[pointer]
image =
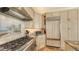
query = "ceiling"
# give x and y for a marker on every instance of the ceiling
(42, 10)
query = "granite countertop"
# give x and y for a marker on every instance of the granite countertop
(73, 44)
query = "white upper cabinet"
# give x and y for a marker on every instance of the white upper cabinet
(72, 24)
(38, 21)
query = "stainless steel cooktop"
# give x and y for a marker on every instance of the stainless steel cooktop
(14, 45)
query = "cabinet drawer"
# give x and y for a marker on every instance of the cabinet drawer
(55, 43)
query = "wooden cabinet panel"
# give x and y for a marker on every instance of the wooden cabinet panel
(49, 29)
(78, 24)
(68, 25)
(53, 28)
(38, 21)
(64, 27)
(56, 29)
(55, 43)
(72, 24)
(40, 41)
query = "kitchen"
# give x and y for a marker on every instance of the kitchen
(39, 29)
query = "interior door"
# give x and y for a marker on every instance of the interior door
(53, 27)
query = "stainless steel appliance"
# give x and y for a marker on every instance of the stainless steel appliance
(21, 44)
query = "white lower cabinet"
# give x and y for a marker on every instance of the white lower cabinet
(40, 42)
(55, 43)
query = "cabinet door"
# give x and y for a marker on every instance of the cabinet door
(78, 23)
(72, 24)
(38, 21)
(40, 41)
(53, 28)
(49, 29)
(64, 27)
(56, 29)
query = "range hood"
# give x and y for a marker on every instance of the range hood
(14, 12)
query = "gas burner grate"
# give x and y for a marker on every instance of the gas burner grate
(14, 45)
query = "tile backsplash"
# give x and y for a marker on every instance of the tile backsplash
(9, 24)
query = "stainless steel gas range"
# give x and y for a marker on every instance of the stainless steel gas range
(21, 44)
